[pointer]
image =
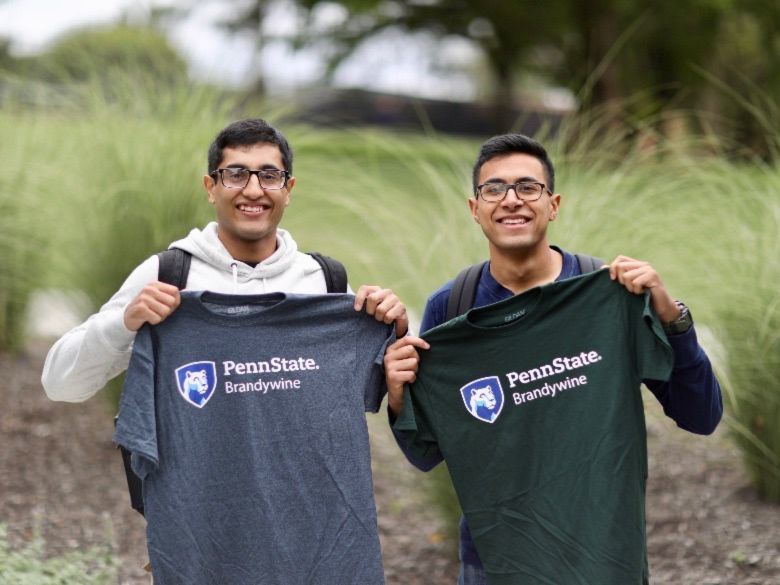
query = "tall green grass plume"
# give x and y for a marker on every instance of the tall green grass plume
(748, 326)
(130, 165)
(27, 164)
(135, 180)
(392, 206)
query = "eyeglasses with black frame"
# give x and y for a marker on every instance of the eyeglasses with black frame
(238, 178)
(525, 190)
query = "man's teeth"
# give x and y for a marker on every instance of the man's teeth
(251, 208)
(514, 220)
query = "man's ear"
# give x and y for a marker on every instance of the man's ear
(209, 184)
(555, 205)
(289, 186)
(473, 203)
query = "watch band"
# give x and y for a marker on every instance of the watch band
(682, 324)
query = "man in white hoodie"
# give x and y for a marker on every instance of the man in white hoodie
(249, 182)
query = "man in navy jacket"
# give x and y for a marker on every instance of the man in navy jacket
(513, 202)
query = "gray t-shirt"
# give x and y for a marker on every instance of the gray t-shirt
(245, 417)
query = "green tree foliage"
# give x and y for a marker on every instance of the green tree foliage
(6, 59)
(501, 29)
(633, 60)
(93, 52)
(650, 47)
(700, 56)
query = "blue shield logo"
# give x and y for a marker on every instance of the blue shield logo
(196, 382)
(484, 398)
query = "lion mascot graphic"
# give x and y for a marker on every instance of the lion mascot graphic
(196, 385)
(482, 402)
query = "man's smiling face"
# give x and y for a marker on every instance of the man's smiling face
(247, 218)
(513, 225)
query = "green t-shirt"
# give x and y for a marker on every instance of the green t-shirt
(535, 404)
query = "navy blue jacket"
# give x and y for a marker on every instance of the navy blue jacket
(691, 397)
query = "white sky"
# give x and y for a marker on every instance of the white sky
(392, 63)
(31, 23)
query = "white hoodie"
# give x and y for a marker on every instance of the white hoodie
(85, 358)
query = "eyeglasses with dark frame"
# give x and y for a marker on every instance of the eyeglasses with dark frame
(525, 190)
(238, 178)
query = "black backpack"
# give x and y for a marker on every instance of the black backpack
(464, 287)
(174, 269)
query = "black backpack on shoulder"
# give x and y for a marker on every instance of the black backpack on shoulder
(464, 287)
(174, 269)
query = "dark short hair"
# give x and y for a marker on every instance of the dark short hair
(246, 133)
(505, 144)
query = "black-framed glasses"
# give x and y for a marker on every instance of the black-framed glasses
(238, 178)
(525, 190)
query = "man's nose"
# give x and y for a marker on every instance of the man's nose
(515, 199)
(253, 186)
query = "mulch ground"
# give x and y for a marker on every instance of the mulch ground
(61, 477)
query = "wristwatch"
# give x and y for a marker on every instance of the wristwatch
(680, 325)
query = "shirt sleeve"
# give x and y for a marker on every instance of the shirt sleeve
(692, 396)
(83, 360)
(653, 355)
(136, 428)
(413, 429)
(429, 457)
(435, 309)
(371, 342)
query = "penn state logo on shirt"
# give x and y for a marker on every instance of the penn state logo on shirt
(196, 382)
(484, 398)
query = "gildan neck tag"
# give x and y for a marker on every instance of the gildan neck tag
(506, 314)
(237, 308)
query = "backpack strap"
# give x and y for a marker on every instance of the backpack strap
(464, 290)
(134, 483)
(588, 263)
(174, 267)
(334, 272)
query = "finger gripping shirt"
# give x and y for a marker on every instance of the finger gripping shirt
(245, 416)
(535, 404)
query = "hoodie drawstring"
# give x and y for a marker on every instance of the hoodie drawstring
(234, 266)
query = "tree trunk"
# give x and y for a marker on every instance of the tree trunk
(504, 116)
(600, 30)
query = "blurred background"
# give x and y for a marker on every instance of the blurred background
(662, 118)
